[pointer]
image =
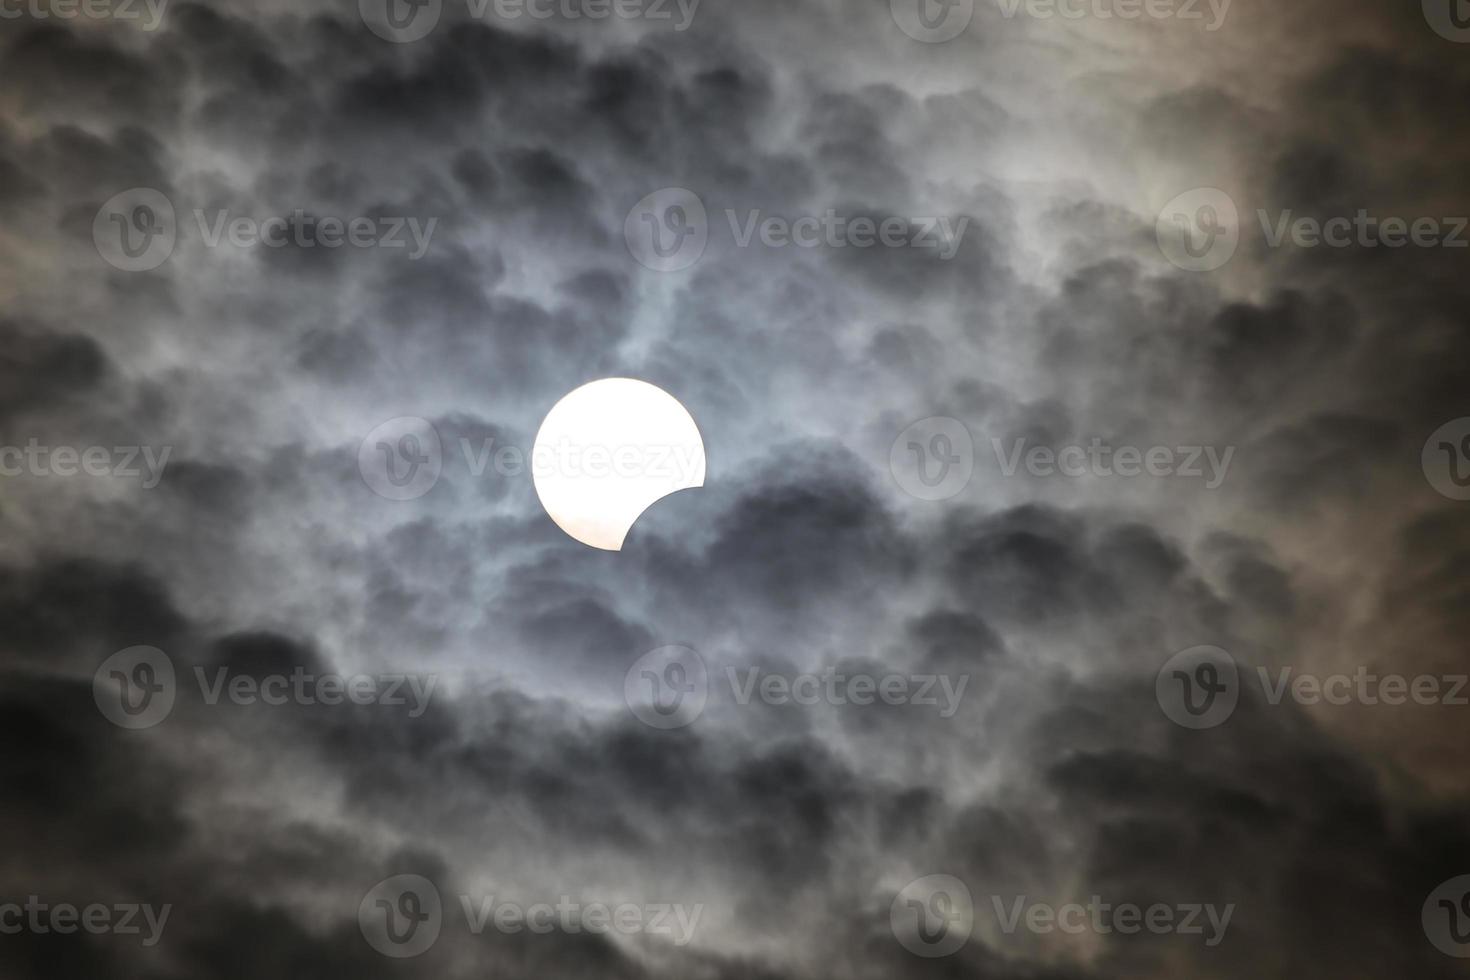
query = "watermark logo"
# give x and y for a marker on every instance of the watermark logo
(312, 231)
(1102, 460)
(118, 461)
(1446, 459)
(932, 21)
(1199, 230)
(401, 916)
(1450, 19)
(135, 688)
(940, 691)
(932, 916)
(1364, 688)
(667, 230)
(1446, 917)
(122, 919)
(400, 21)
(1362, 230)
(151, 11)
(1183, 10)
(933, 459)
(135, 230)
(598, 918)
(1198, 688)
(832, 230)
(1103, 918)
(401, 459)
(667, 688)
(412, 691)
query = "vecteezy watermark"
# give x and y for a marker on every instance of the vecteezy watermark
(304, 688)
(403, 458)
(1102, 460)
(1363, 687)
(669, 230)
(149, 11)
(1200, 688)
(301, 230)
(137, 230)
(1362, 230)
(402, 21)
(1126, 918)
(932, 21)
(932, 916)
(1446, 917)
(937, 21)
(1184, 10)
(1446, 459)
(933, 459)
(137, 687)
(669, 687)
(1450, 19)
(1199, 231)
(119, 461)
(63, 918)
(403, 916)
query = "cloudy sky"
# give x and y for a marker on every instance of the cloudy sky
(1087, 378)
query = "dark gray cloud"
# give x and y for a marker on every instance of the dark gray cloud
(261, 552)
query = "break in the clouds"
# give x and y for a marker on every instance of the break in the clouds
(1072, 457)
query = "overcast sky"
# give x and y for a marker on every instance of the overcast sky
(1156, 412)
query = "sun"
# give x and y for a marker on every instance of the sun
(607, 452)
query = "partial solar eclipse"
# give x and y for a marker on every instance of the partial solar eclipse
(607, 452)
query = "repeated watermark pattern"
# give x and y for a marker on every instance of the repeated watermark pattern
(1450, 19)
(1446, 917)
(403, 459)
(1446, 459)
(301, 230)
(670, 686)
(63, 918)
(933, 916)
(403, 916)
(1203, 919)
(937, 21)
(1200, 230)
(1200, 687)
(669, 230)
(38, 459)
(137, 230)
(933, 459)
(137, 687)
(404, 21)
(148, 13)
(1211, 13)
(1098, 459)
